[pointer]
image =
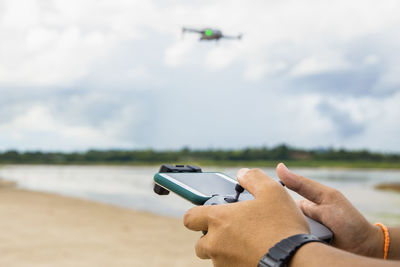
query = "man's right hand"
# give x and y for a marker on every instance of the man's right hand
(352, 232)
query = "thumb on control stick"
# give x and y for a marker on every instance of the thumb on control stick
(253, 180)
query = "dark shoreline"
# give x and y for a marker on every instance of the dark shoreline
(253, 164)
(249, 157)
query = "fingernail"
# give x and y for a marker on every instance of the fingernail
(283, 164)
(284, 167)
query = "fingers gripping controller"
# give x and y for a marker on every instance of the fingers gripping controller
(317, 229)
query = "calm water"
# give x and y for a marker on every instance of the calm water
(132, 186)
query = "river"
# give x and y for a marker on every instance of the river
(131, 186)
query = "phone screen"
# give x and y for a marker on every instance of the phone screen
(207, 183)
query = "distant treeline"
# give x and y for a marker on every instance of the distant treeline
(185, 155)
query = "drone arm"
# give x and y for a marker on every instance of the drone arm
(191, 30)
(232, 37)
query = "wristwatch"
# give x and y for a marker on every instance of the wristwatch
(280, 254)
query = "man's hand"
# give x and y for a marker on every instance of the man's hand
(352, 232)
(239, 234)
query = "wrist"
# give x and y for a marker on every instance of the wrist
(305, 255)
(375, 242)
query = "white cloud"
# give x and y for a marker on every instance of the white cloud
(371, 59)
(37, 128)
(256, 71)
(380, 117)
(219, 58)
(57, 42)
(132, 52)
(51, 57)
(176, 54)
(313, 65)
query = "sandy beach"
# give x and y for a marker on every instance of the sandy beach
(42, 229)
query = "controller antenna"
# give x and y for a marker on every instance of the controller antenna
(239, 189)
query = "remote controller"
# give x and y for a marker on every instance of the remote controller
(316, 228)
(162, 186)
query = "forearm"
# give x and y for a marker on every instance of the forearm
(394, 247)
(317, 254)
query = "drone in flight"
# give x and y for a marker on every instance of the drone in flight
(209, 34)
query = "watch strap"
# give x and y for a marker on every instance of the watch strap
(280, 254)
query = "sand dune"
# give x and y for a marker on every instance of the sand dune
(42, 229)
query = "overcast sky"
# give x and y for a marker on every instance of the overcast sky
(87, 74)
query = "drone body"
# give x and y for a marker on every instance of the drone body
(209, 34)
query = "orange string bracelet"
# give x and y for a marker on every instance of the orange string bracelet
(387, 239)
